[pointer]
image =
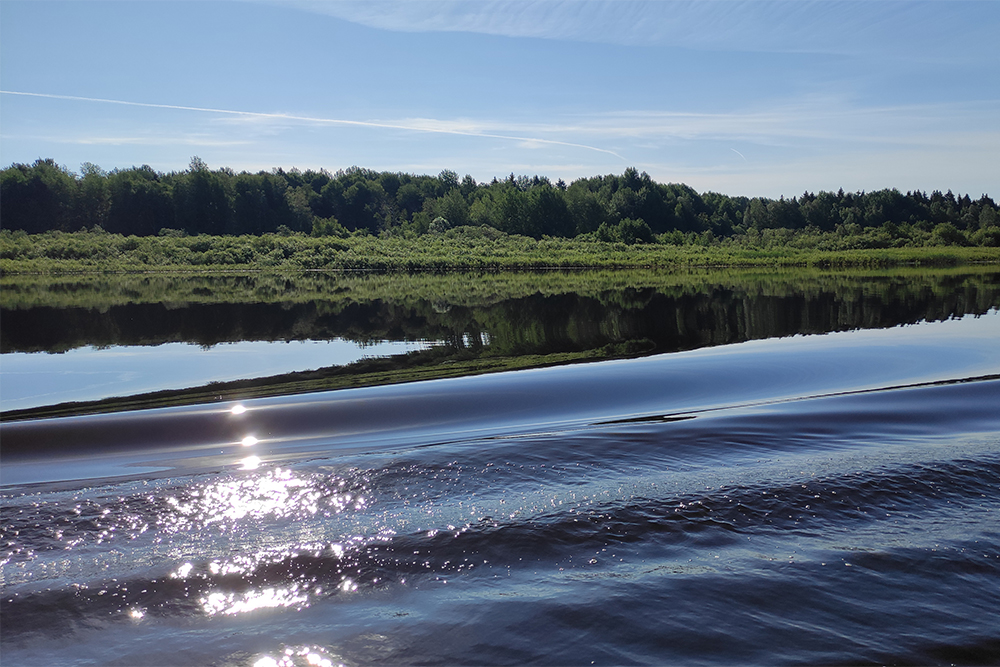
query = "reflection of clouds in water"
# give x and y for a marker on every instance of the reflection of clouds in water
(94, 373)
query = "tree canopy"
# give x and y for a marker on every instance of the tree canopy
(630, 207)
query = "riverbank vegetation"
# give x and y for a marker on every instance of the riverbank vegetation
(433, 296)
(463, 248)
(131, 219)
(471, 323)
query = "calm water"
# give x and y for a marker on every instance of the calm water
(830, 498)
(32, 379)
(79, 338)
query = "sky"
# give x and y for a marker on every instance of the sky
(743, 97)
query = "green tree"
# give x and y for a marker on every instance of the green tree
(448, 179)
(483, 211)
(546, 213)
(93, 200)
(988, 217)
(298, 205)
(328, 227)
(203, 200)
(585, 208)
(510, 210)
(453, 207)
(946, 233)
(628, 231)
(757, 216)
(141, 202)
(38, 198)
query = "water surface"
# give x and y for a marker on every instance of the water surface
(92, 373)
(767, 469)
(821, 499)
(85, 338)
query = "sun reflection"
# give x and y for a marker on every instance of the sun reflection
(250, 463)
(238, 409)
(265, 493)
(249, 441)
(183, 571)
(303, 656)
(267, 598)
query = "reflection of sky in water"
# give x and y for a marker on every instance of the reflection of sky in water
(33, 379)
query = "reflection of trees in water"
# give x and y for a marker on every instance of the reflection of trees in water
(505, 314)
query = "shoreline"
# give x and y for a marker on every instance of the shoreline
(90, 252)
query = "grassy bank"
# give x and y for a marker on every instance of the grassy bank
(471, 289)
(468, 248)
(484, 322)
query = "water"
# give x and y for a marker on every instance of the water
(91, 373)
(809, 499)
(80, 338)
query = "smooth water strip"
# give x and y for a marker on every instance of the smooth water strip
(379, 418)
(33, 379)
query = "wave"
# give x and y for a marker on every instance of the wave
(799, 515)
(613, 487)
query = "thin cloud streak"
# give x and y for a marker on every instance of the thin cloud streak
(826, 120)
(412, 127)
(811, 144)
(921, 30)
(134, 141)
(818, 119)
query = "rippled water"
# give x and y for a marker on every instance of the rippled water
(814, 499)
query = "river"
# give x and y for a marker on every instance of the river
(821, 498)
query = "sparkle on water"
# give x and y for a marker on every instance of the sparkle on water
(300, 656)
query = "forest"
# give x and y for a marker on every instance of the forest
(628, 208)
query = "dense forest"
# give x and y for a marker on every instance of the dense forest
(629, 208)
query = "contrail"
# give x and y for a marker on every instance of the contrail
(309, 119)
(738, 153)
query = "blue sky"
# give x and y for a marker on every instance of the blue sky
(741, 97)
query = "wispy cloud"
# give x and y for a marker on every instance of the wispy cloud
(818, 123)
(782, 148)
(422, 125)
(823, 119)
(819, 119)
(146, 140)
(918, 29)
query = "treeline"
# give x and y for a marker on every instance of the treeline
(629, 208)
